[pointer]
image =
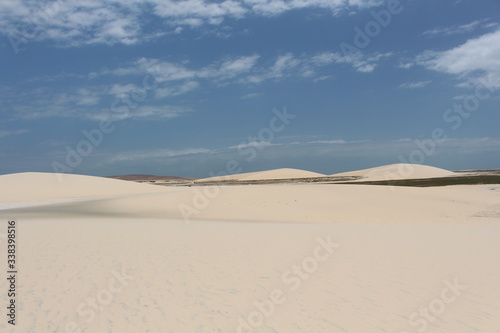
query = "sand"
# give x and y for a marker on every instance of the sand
(284, 173)
(101, 255)
(38, 186)
(399, 171)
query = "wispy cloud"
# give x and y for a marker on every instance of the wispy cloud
(329, 141)
(333, 148)
(156, 154)
(251, 95)
(459, 29)
(5, 133)
(249, 69)
(171, 79)
(414, 85)
(77, 23)
(253, 144)
(92, 103)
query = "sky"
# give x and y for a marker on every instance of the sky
(197, 88)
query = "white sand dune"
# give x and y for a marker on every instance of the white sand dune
(39, 186)
(399, 171)
(99, 255)
(322, 203)
(284, 173)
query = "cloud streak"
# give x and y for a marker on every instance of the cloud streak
(459, 29)
(332, 148)
(5, 133)
(77, 23)
(414, 85)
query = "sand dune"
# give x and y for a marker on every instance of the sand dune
(284, 173)
(101, 255)
(320, 203)
(399, 171)
(35, 186)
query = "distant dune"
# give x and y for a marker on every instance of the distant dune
(284, 173)
(399, 171)
(385, 172)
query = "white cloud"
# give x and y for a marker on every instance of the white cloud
(323, 78)
(414, 85)
(458, 29)
(166, 79)
(252, 144)
(76, 23)
(276, 7)
(176, 90)
(5, 133)
(360, 62)
(91, 103)
(477, 58)
(155, 154)
(329, 141)
(335, 148)
(245, 69)
(142, 112)
(251, 95)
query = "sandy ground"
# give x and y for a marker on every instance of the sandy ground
(100, 256)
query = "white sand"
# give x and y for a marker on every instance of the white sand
(284, 173)
(34, 186)
(399, 171)
(398, 247)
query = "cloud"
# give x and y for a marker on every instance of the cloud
(251, 95)
(91, 103)
(88, 22)
(5, 133)
(142, 112)
(333, 150)
(246, 69)
(162, 80)
(478, 58)
(329, 141)
(276, 7)
(252, 144)
(155, 154)
(176, 90)
(414, 85)
(458, 29)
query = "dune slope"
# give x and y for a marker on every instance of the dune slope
(399, 171)
(284, 173)
(36, 186)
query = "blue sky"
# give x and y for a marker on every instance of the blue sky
(197, 87)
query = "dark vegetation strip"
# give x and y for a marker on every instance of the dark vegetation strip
(428, 182)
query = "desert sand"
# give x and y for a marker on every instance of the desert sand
(398, 171)
(101, 255)
(284, 173)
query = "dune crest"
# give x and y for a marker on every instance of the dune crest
(284, 173)
(51, 186)
(398, 171)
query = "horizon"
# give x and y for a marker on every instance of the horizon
(192, 89)
(258, 171)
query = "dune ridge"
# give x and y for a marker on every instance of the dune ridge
(398, 171)
(34, 186)
(283, 173)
